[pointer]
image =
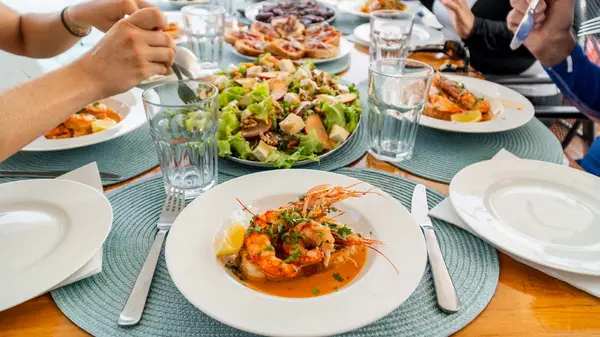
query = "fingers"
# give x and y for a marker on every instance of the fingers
(143, 4)
(154, 68)
(129, 7)
(148, 19)
(514, 19)
(522, 5)
(451, 5)
(161, 55)
(159, 39)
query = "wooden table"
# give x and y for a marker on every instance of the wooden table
(526, 302)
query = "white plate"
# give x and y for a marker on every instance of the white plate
(48, 230)
(377, 290)
(181, 3)
(251, 11)
(129, 105)
(544, 213)
(421, 35)
(344, 49)
(511, 108)
(354, 7)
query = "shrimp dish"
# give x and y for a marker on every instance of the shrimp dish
(449, 100)
(300, 249)
(93, 118)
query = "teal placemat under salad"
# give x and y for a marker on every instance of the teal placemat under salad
(127, 156)
(94, 303)
(440, 155)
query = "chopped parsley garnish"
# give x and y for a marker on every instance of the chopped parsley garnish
(295, 254)
(343, 232)
(235, 269)
(269, 248)
(338, 277)
(315, 290)
(320, 234)
(271, 233)
(291, 216)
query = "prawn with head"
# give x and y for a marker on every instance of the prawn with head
(280, 242)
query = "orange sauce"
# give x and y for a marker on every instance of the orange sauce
(317, 284)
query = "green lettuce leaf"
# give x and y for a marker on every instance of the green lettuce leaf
(224, 148)
(334, 114)
(309, 65)
(228, 121)
(261, 110)
(231, 94)
(240, 145)
(284, 160)
(353, 113)
(260, 92)
(310, 143)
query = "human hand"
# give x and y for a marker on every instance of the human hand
(551, 40)
(103, 14)
(461, 16)
(131, 51)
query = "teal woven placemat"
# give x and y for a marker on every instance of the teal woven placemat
(94, 304)
(440, 155)
(351, 152)
(127, 156)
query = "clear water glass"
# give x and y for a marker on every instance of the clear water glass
(398, 90)
(390, 34)
(204, 27)
(229, 6)
(185, 135)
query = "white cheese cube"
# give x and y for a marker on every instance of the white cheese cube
(292, 98)
(287, 66)
(253, 71)
(292, 124)
(301, 73)
(326, 99)
(338, 134)
(262, 151)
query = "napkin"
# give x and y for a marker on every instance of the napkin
(445, 211)
(88, 175)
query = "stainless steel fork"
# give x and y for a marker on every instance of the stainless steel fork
(132, 312)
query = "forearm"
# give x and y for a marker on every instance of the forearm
(494, 34)
(579, 81)
(43, 36)
(33, 108)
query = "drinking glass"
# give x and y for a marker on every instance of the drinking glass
(390, 34)
(398, 90)
(228, 5)
(185, 135)
(204, 26)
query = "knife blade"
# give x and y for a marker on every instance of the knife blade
(525, 27)
(444, 288)
(51, 174)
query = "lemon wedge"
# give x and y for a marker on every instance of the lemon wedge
(232, 240)
(102, 124)
(471, 116)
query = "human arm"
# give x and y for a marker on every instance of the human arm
(552, 42)
(130, 52)
(44, 35)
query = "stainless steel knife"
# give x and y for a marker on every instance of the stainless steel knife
(444, 288)
(525, 27)
(50, 174)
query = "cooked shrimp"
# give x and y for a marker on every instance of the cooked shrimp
(262, 253)
(311, 235)
(443, 104)
(59, 132)
(80, 123)
(319, 200)
(460, 94)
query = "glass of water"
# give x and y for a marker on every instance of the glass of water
(390, 34)
(185, 135)
(398, 90)
(229, 6)
(204, 26)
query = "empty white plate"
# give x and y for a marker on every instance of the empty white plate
(375, 292)
(48, 230)
(421, 35)
(544, 213)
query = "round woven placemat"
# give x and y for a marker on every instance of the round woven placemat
(351, 152)
(94, 304)
(127, 156)
(440, 155)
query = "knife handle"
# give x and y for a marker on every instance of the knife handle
(444, 288)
